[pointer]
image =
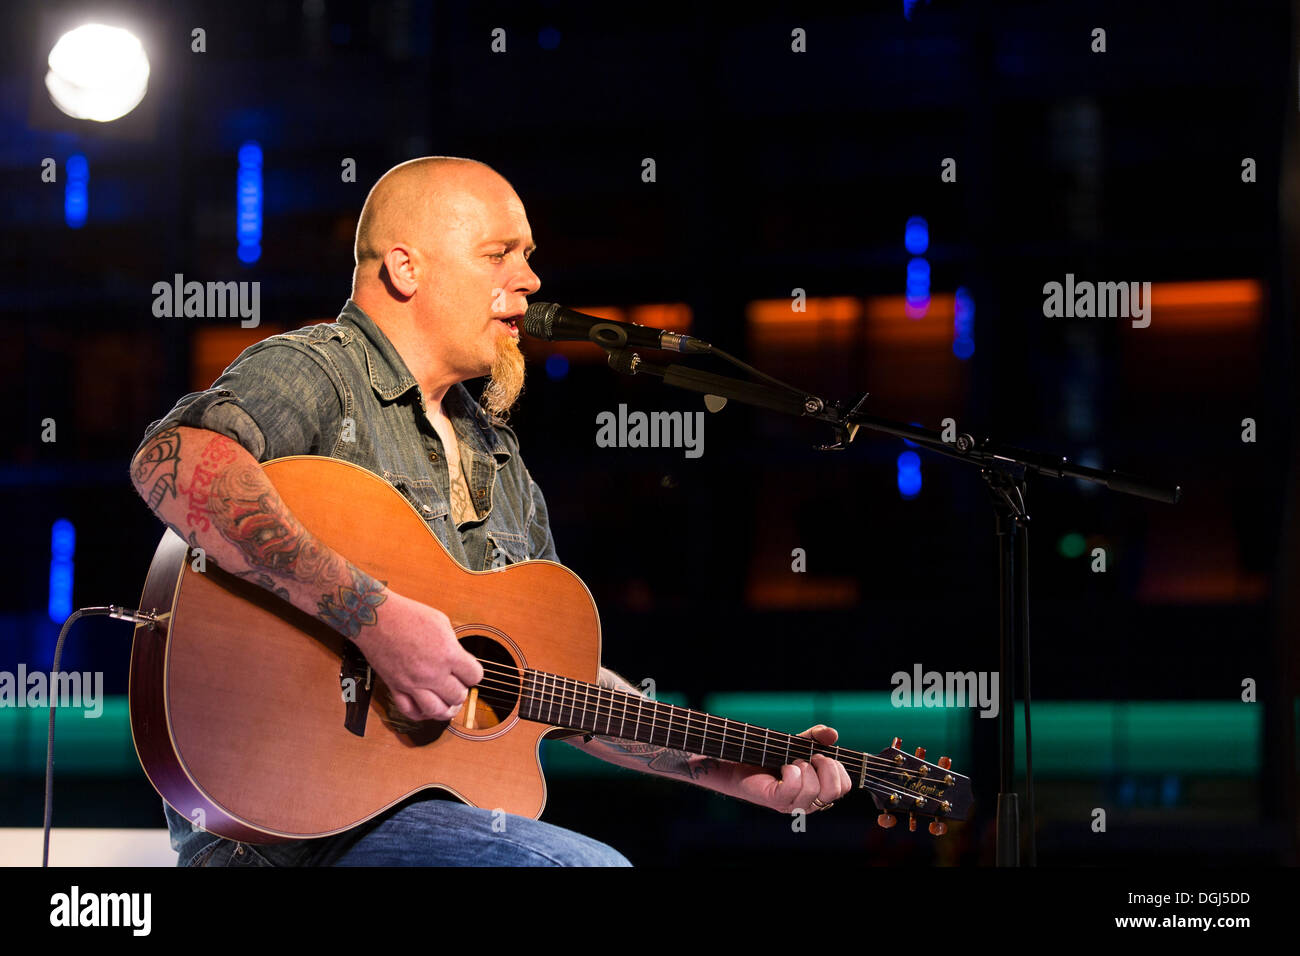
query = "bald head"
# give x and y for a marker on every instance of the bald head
(418, 203)
(442, 269)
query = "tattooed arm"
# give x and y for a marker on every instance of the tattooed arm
(213, 493)
(793, 789)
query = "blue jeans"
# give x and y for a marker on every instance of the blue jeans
(432, 832)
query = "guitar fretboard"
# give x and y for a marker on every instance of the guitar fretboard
(552, 699)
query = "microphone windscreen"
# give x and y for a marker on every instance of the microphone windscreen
(539, 320)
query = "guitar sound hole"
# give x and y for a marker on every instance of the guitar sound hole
(496, 696)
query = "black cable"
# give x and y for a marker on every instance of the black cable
(122, 614)
(728, 357)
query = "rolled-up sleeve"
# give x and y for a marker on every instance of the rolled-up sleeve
(276, 399)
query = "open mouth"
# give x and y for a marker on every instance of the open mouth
(511, 321)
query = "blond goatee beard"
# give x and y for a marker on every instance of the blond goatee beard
(507, 381)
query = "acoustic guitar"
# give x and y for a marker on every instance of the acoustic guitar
(262, 724)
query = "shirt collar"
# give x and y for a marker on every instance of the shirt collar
(390, 377)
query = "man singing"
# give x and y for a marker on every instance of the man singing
(441, 280)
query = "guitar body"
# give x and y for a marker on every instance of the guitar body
(237, 706)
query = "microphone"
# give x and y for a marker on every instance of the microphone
(554, 323)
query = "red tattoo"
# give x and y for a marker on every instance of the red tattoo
(220, 451)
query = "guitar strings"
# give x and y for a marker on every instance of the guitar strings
(510, 691)
(621, 708)
(867, 781)
(512, 688)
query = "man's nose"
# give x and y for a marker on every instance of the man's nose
(528, 283)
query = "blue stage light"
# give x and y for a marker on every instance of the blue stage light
(63, 540)
(76, 191)
(916, 239)
(557, 366)
(916, 236)
(918, 282)
(63, 543)
(963, 324)
(918, 274)
(548, 38)
(909, 474)
(248, 199)
(918, 288)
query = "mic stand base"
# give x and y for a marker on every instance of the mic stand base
(1009, 829)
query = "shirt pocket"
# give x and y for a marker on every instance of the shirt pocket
(421, 493)
(504, 548)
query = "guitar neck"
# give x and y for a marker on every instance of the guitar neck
(577, 705)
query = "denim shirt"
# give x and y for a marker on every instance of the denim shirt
(343, 391)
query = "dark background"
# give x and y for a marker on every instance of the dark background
(775, 170)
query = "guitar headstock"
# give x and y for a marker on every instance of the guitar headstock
(909, 783)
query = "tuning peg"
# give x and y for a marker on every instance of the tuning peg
(945, 763)
(886, 820)
(897, 742)
(911, 822)
(920, 752)
(938, 828)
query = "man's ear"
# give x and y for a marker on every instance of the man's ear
(403, 277)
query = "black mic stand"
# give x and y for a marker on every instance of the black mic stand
(1003, 468)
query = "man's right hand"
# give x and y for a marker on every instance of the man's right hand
(414, 649)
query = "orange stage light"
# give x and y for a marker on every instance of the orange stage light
(824, 321)
(1211, 306)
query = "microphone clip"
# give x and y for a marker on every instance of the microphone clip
(844, 433)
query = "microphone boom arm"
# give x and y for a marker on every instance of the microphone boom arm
(984, 453)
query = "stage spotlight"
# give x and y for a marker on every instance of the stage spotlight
(97, 73)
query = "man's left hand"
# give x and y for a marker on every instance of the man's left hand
(801, 786)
